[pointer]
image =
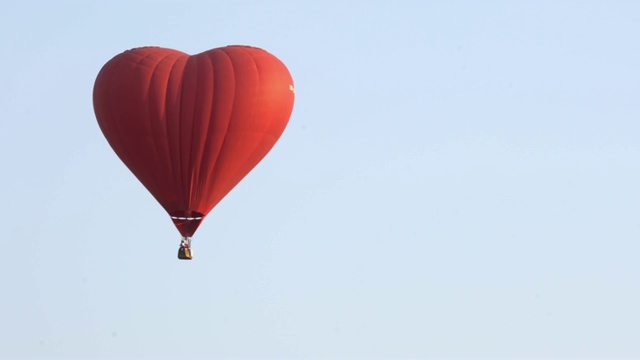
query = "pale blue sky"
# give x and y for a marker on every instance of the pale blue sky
(458, 178)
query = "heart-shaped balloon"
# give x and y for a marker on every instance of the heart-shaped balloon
(191, 127)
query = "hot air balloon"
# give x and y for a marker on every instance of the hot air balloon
(191, 127)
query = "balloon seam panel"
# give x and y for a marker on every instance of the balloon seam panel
(172, 166)
(226, 133)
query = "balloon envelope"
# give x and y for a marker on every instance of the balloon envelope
(191, 127)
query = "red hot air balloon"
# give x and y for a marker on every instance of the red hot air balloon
(190, 128)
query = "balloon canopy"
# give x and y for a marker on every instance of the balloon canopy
(190, 128)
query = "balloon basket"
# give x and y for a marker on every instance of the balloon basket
(185, 254)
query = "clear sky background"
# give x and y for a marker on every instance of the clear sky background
(458, 178)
